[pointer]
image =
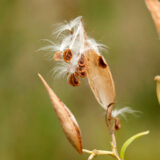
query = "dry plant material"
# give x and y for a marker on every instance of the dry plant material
(74, 80)
(117, 125)
(154, 8)
(67, 55)
(81, 58)
(57, 56)
(82, 61)
(100, 79)
(157, 78)
(83, 74)
(66, 118)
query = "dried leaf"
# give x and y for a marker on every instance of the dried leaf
(157, 78)
(66, 118)
(154, 8)
(100, 79)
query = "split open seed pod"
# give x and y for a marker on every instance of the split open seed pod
(66, 118)
(100, 79)
(154, 8)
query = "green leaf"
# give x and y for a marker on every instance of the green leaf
(129, 141)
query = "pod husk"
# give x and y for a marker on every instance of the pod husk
(100, 79)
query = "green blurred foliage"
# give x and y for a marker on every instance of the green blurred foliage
(29, 129)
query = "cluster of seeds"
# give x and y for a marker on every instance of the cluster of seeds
(80, 70)
(71, 51)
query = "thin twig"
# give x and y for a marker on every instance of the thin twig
(95, 153)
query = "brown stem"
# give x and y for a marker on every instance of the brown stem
(108, 118)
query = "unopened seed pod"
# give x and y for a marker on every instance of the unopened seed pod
(66, 118)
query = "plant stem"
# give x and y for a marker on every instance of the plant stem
(108, 118)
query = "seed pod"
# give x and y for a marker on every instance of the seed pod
(66, 118)
(82, 61)
(100, 79)
(154, 8)
(57, 56)
(67, 55)
(157, 78)
(74, 79)
(117, 125)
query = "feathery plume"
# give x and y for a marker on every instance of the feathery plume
(123, 111)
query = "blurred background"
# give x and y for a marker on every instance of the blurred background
(29, 128)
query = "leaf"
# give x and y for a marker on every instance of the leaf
(66, 118)
(100, 79)
(154, 8)
(157, 78)
(129, 141)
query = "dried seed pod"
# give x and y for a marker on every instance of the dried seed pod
(100, 79)
(154, 8)
(82, 61)
(117, 123)
(67, 55)
(157, 78)
(66, 118)
(74, 79)
(57, 56)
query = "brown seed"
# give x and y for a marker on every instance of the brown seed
(101, 62)
(74, 79)
(57, 56)
(67, 55)
(117, 124)
(80, 69)
(83, 74)
(82, 61)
